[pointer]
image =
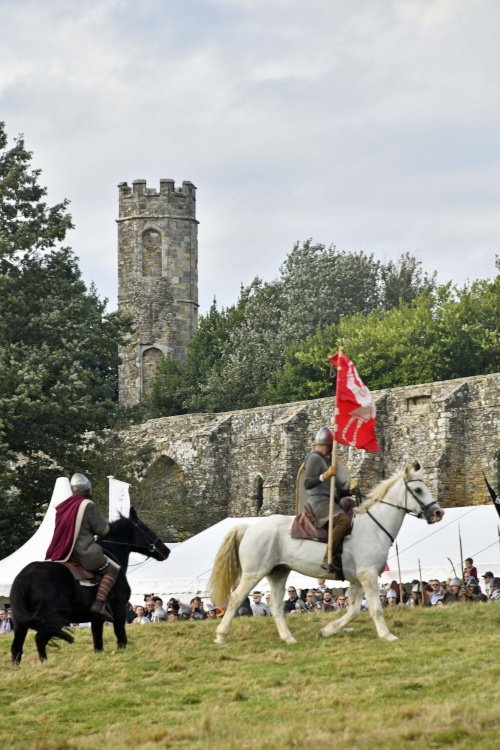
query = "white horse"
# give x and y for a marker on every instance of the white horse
(249, 553)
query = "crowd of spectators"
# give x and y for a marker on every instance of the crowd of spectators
(320, 598)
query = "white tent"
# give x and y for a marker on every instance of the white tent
(437, 547)
(187, 570)
(35, 548)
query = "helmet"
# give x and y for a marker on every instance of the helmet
(456, 582)
(383, 593)
(80, 483)
(391, 594)
(324, 436)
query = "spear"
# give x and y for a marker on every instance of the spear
(399, 574)
(451, 563)
(461, 555)
(334, 467)
(421, 584)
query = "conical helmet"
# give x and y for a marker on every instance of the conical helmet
(80, 483)
(324, 436)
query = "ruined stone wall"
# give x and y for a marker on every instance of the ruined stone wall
(157, 278)
(245, 462)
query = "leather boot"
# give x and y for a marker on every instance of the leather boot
(100, 608)
(341, 527)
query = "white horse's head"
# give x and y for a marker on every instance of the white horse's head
(407, 491)
(418, 499)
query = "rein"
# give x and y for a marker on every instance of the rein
(149, 547)
(400, 507)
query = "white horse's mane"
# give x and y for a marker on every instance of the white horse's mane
(379, 491)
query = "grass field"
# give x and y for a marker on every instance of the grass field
(173, 688)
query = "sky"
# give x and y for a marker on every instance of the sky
(370, 125)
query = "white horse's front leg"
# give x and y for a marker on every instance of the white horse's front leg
(355, 596)
(369, 581)
(245, 585)
(277, 579)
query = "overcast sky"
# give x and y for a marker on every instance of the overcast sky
(369, 124)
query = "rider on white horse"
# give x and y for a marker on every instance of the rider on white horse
(317, 478)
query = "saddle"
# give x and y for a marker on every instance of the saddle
(81, 575)
(304, 527)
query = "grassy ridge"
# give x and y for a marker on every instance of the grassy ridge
(173, 688)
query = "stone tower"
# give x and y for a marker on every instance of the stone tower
(157, 278)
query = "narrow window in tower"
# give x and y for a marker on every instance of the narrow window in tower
(151, 253)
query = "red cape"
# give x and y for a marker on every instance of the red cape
(64, 532)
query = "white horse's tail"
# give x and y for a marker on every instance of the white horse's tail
(227, 567)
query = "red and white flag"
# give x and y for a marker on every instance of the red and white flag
(355, 418)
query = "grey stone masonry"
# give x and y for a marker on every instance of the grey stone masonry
(157, 278)
(245, 462)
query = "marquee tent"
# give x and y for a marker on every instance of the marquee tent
(35, 548)
(187, 570)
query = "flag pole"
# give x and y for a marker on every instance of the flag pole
(399, 574)
(334, 465)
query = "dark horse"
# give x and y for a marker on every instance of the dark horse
(45, 597)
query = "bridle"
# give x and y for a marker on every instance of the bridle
(147, 549)
(423, 506)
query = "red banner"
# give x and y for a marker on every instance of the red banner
(355, 419)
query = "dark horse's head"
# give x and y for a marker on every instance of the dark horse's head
(137, 536)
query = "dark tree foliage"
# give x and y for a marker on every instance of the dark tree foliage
(58, 349)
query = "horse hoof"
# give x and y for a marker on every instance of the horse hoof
(391, 638)
(291, 640)
(220, 640)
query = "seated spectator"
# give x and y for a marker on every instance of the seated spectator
(382, 595)
(454, 594)
(341, 602)
(140, 616)
(149, 608)
(197, 610)
(416, 596)
(310, 601)
(472, 590)
(172, 610)
(392, 598)
(495, 590)
(130, 616)
(488, 577)
(245, 609)
(328, 602)
(259, 608)
(6, 625)
(437, 592)
(293, 603)
(159, 614)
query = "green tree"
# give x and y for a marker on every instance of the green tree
(239, 357)
(440, 335)
(58, 348)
